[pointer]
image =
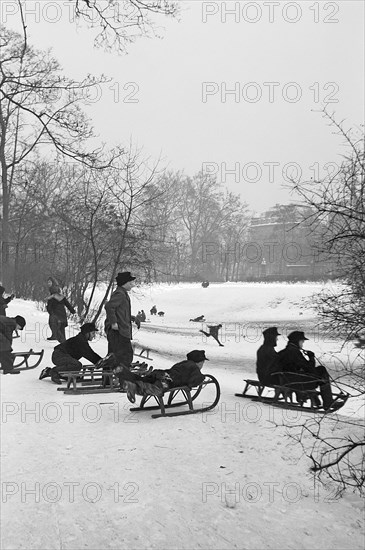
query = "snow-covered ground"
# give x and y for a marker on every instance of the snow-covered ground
(84, 472)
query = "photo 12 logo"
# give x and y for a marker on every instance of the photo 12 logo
(268, 171)
(270, 12)
(269, 92)
(68, 491)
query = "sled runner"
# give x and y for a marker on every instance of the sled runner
(24, 356)
(283, 397)
(188, 396)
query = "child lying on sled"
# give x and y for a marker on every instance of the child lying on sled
(185, 373)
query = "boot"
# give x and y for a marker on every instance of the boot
(45, 373)
(131, 389)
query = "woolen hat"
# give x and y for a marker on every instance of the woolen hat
(197, 355)
(124, 277)
(272, 331)
(89, 327)
(296, 336)
(20, 321)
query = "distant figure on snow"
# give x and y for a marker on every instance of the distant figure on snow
(143, 316)
(198, 319)
(213, 331)
(161, 313)
(205, 284)
(153, 310)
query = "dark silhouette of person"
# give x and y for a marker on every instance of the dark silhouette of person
(213, 331)
(267, 363)
(118, 322)
(4, 301)
(300, 371)
(153, 310)
(7, 326)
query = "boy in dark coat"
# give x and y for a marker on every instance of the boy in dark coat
(4, 301)
(213, 331)
(66, 355)
(185, 373)
(267, 362)
(300, 371)
(7, 326)
(118, 322)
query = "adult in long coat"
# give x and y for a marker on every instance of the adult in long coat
(300, 370)
(7, 326)
(267, 362)
(118, 322)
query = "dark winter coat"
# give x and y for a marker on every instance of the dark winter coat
(185, 373)
(78, 347)
(118, 310)
(292, 360)
(7, 327)
(58, 308)
(267, 362)
(4, 304)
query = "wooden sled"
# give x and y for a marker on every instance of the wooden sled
(94, 381)
(189, 395)
(283, 397)
(24, 356)
(91, 379)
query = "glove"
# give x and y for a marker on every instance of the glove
(310, 354)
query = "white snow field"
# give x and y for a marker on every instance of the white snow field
(83, 472)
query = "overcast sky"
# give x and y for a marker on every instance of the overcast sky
(171, 95)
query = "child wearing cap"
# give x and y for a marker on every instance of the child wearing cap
(185, 373)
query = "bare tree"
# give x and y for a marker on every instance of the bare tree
(122, 22)
(338, 204)
(39, 108)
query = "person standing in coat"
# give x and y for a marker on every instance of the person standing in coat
(267, 362)
(7, 326)
(4, 301)
(118, 322)
(56, 307)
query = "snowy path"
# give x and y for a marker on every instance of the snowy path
(82, 472)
